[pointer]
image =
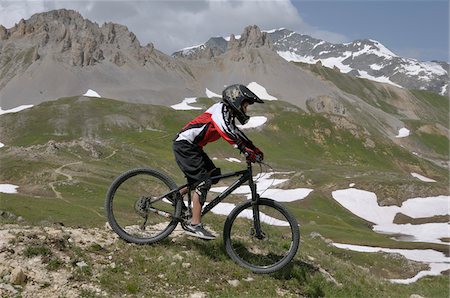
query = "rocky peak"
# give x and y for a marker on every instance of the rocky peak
(252, 37)
(75, 40)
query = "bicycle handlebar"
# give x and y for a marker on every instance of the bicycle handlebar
(258, 158)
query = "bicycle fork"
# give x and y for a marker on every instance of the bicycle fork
(257, 232)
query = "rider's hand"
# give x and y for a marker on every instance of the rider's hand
(259, 155)
(249, 154)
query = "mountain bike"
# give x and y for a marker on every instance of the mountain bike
(144, 206)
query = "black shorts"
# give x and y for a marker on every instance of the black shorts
(193, 161)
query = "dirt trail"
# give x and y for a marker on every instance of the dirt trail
(69, 177)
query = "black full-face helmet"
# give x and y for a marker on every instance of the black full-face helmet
(234, 96)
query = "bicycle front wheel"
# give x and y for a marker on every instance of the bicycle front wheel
(130, 213)
(273, 248)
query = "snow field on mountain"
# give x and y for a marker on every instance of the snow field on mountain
(184, 105)
(232, 159)
(382, 79)
(260, 91)
(91, 93)
(444, 89)
(437, 261)
(415, 67)
(422, 178)
(402, 133)
(8, 188)
(253, 122)
(364, 204)
(15, 110)
(211, 94)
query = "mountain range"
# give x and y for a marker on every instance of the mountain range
(365, 58)
(59, 53)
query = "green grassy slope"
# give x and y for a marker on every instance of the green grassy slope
(64, 154)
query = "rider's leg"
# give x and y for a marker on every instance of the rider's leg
(184, 191)
(198, 199)
(196, 209)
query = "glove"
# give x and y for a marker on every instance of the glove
(253, 155)
(259, 155)
(249, 154)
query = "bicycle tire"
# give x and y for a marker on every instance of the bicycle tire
(125, 194)
(243, 248)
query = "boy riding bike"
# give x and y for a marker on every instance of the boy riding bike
(218, 121)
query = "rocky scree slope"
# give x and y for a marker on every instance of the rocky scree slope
(60, 53)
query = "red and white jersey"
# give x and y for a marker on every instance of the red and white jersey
(216, 122)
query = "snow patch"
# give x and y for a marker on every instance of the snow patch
(414, 68)
(211, 94)
(232, 159)
(265, 184)
(382, 50)
(226, 208)
(403, 133)
(364, 204)
(274, 30)
(287, 195)
(293, 57)
(422, 178)
(91, 93)
(260, 91)
(377, 49)
(8, 188)
(190, 50)
(15, 110)
(444, 89)
(254, 122)
(437, 261)
(376, 66)
(382, 79)
(184, 105)
(2, 145)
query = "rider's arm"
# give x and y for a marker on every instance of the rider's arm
(228, 130)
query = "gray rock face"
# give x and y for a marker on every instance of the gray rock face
(77, 41)
(252, 37)
(60, 53)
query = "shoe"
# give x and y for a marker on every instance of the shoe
(198, 231)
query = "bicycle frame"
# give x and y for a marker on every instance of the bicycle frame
(245, 175)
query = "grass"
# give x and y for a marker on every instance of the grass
(110, 137)
(437, 106)
(378, 97)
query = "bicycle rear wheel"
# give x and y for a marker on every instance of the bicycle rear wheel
(131, 215)
(278, 244)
